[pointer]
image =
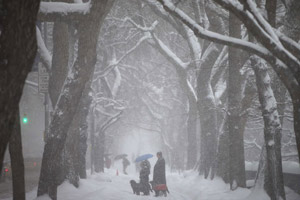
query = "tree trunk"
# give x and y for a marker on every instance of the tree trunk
(237, 176)
(17, 161)
(208, 123)
(274, 181)
(291, 30)
(92, 139)
(223, 148)
(76, 145)
(60, 59)
(17, 53)
(296, 111)
(71, 94)
(191, 134)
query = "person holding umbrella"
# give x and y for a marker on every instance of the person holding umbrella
(144, 177)
(125, 161)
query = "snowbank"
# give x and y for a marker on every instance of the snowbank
(184, 186)
(290, 167)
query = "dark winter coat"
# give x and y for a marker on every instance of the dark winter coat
(159, 172)
(144, 173)
(125, 162)
(144, 178)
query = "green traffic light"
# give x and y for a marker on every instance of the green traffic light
(25, 120)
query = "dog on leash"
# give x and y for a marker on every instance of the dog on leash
(137, 188)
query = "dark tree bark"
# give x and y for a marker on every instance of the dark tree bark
(223, 148)
(79, 74)
(291, 29)
(208, 122)
(76, 144)
(17, 161)
(192, 137)
(17, 53)
(237, 175)
(60, 60)
(272, 132)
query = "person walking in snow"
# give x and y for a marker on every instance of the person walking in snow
(159, 172)
(125, 163)
(144, 177)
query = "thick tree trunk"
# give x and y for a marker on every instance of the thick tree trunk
(191, 134)
(76, 145)
(274, 181)
(296, 111)
(237, 174)
(83, 134)
(17, 53)
(71, 94)
(17, 161)
(92, 139)
(99, 149)
(209, 130)
(206, 101)
(291, 29)
(60, 59)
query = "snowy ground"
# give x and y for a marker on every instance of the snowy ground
(186, 186)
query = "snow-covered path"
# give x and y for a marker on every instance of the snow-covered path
(186, 186)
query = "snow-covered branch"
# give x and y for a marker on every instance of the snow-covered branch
(113, 63)
(117, 82)
(59, 11)
(154, 114)
(264, 33)
(110, 121)
(43, 51)
(252, 143)
(280, 67)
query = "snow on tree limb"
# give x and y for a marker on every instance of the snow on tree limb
(115, 62)
(43, 51)
(110, 121)
(269, 42)
(117, 82)
(57, 11)
(284, 74)
(154, 114)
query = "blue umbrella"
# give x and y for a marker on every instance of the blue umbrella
(143, 157)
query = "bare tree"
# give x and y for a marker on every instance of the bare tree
(78, 76)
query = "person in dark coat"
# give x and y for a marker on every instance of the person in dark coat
(144, 177)
(125, 163)
(159, 172)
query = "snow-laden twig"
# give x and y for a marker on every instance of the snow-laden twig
(113, 63)
(253, 143)
(110, 121)
(145, 29)
(154, 114)
(43, 51)
(117, 82)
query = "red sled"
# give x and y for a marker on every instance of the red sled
(161, 187)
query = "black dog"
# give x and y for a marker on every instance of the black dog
(137, 188)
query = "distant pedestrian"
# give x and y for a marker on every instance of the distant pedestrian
(125, 163)
(107, 162)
